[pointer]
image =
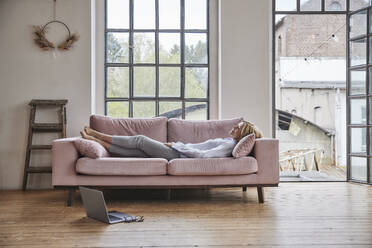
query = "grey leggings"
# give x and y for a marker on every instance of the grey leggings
(141, 146)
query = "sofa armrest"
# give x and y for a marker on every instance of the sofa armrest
(64, 157)
(266, 152)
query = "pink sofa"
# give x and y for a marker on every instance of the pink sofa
(259, 169)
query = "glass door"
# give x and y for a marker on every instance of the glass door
(359, 96)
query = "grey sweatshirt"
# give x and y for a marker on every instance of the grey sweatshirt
(213, 148)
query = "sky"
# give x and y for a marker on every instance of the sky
(291, 4)
(169, 18)
(287, 4)
(169, 14)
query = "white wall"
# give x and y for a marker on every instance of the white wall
(245, 72)
(26, 72)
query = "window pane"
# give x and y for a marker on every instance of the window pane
(144, 14)
(195, 14)
(279, 18)
(335, 5)
(310, 5)
(169, 81)
(169, 48)
(358, 4)
(285, 5)
(117, 47)
(117, 82)
(370, 142)
(357, 82)
(196, 48)
(118, 14)
(370, 51)
(370, 21)
(358, 140)
(358, 111)
(370, 170)
(118, 109)
(358, 24)
(170, 109)
(358, 52)
(370, 81)
(196, 82)
(142, 109)
(144, 48)
(196, 111)
(358, 168)
(169, 14)
(144, 81)
(370, 112)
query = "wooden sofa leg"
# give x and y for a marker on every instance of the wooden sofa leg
(244, 188)
(71, 192)
(169, 194)
(260, 193)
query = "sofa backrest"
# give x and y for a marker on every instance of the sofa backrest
(155, 128)
(188, 131)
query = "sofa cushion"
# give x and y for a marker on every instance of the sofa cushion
(212, 166)
(122, 166)
(188, 131)
(90, 148)
(244, 146)
(155, 128)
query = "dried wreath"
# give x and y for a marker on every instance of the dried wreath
(41, 40)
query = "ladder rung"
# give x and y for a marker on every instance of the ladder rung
(48, 102)
(39, 170)
(47, 127)
(41, 147)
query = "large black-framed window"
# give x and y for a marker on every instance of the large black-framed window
(157, 58)
(359, 95)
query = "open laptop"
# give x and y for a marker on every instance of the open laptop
(95, 207)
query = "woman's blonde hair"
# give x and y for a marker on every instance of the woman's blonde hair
(247, 128)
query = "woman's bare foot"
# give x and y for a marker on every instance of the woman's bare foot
(89, 131)
(88, 137)
(84, 135)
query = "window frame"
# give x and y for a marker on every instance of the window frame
(297, 11)
(182, 65)
(366, 95)
(348, 11)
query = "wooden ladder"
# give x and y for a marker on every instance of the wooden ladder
(45, 128)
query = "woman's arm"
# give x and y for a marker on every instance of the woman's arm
(217, 148)
(220, 151)
(206, 144)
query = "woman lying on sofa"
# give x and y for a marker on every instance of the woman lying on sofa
(142, 146)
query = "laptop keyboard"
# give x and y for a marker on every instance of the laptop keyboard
(114, 218)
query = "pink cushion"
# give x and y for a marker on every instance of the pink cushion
(212, 166)
(198, 131)
(90, 148)
(122, 166)
(244, 146)
(155, 128)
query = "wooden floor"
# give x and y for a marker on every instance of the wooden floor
(334, 171)
(294, 215)
(327, 173)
